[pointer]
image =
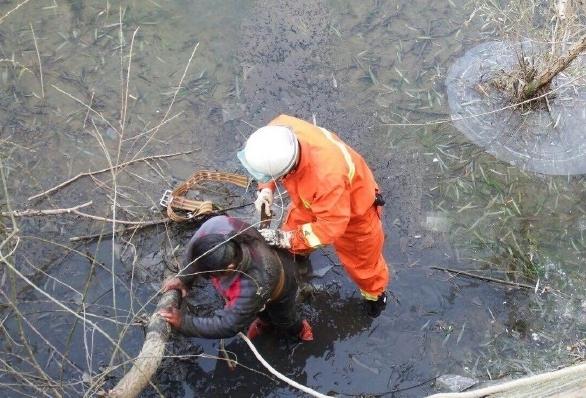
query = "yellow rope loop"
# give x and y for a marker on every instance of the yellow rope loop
(198, 208)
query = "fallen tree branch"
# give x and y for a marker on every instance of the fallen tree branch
(89, 173)
(279, 375)
(147, 224)
(485, 278)
(75, 210)
(49, 212)
(545, 77)
(120, 230)
(151, 355)
(14, 9)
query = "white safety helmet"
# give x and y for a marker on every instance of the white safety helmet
(270, 153)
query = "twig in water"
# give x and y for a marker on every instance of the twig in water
(172, 101)
(64, 183)
(40, 64)
(11, 11)
(229, 361)
(115, 172)
(126, 222)
(147, 224)
(52, 299)
(125, 92)
(392, 392)
(49, 212)
(89, 108)
(75, 210)
(485, 278)
(15, 64)
(34, 329)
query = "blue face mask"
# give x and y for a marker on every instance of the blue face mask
(260, 177)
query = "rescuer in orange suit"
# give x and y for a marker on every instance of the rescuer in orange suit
(334, 199)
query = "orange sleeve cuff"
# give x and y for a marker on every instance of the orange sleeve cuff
(299, 244)
(271, 185)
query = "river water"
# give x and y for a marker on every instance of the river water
(372, 71)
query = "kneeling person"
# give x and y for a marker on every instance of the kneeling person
(257, 282)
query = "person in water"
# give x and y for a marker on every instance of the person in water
(257, 282)
(334, 199)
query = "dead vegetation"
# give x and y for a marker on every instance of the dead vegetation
(558, 26)
(43, 296)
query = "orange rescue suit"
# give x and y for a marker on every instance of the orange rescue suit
(332, 193)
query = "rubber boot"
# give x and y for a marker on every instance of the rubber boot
(374, 308)
(306, 333)
(256, 328)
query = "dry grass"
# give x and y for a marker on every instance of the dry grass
(554, 27)
(22, 372)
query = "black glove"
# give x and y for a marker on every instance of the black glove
(374, 308)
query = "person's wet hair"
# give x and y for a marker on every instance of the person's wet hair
(218, 258)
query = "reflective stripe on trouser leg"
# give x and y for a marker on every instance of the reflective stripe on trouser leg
(360, 251)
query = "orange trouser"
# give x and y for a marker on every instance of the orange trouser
(359, 249)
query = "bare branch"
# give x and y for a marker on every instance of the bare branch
(11, 11)
(80, 175)
(49, 212)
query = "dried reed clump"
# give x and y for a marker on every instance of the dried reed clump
(558, 25)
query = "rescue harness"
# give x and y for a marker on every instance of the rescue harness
(173, 200)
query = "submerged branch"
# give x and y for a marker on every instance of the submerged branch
(484, 278)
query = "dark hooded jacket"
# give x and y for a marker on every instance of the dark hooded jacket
(261, 273)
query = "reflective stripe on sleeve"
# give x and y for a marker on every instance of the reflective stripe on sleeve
(368, 296)
(345, 153)
(310, 236)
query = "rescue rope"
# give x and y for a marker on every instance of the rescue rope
(176, 200)
(279, 375)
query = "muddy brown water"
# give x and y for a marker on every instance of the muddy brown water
(372, 71)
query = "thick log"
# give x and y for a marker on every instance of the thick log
(532, 88)
(568, 382)
(151, 355)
